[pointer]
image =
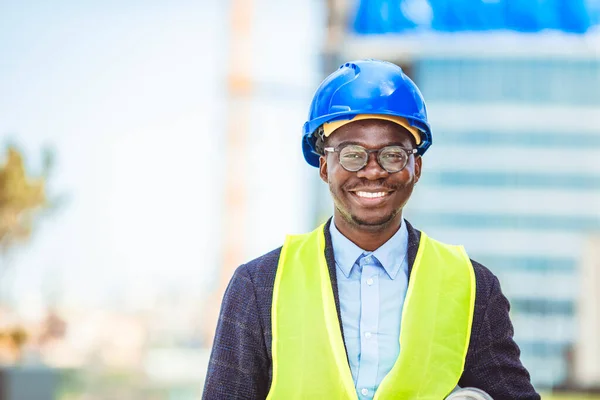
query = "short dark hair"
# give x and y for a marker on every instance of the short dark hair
(319, 135)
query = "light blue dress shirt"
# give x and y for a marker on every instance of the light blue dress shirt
(372, 287)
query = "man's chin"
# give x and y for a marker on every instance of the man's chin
(373, 223)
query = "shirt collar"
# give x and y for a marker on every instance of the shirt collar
(345, 251)
(391, 254)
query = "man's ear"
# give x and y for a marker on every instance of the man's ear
(418, 166)
(323, 169)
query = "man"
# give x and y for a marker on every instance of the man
(365, 306)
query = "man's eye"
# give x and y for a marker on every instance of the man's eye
(393, 156)
(352, 155)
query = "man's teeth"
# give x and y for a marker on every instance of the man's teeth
(370, 194)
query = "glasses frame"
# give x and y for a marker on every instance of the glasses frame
(378, 151)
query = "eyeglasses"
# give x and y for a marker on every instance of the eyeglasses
(354, 157)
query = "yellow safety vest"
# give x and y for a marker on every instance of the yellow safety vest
(309, 357)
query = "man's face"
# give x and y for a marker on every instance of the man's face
(347, 188)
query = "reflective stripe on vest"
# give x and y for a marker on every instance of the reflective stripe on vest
(309, 357)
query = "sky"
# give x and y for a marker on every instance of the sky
(131, 96)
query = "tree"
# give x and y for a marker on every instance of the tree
(21, 197)
(22, 200)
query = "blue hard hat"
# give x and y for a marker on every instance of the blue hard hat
(365, 87)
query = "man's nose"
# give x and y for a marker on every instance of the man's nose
(372, 170)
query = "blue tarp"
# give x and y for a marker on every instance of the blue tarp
(396, 16)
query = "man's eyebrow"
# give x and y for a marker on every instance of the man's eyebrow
(350, 142)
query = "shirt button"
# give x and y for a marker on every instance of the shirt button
(370, 281)
(365, 392)
(368, 336)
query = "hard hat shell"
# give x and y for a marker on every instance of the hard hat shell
(365, 87)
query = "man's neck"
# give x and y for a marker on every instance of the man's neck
(367, 238)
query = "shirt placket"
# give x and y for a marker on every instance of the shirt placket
(369, 325)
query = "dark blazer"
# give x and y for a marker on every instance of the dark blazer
(240, 362)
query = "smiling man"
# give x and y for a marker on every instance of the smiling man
(365, 306)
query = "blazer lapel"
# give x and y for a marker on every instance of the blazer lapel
(414, 237)
(329, 257)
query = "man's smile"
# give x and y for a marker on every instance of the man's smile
(371, 198)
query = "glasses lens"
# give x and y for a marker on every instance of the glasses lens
(353, 157)
(393, 158)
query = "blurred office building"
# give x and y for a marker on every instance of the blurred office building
(513, 94)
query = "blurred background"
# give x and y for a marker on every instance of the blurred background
(148, 148)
